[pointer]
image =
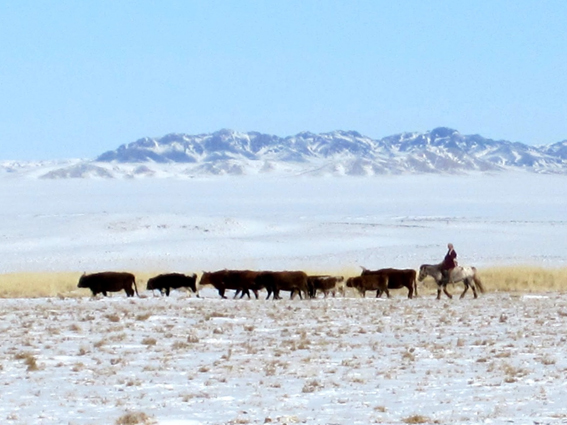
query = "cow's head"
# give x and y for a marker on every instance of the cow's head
(83, 281)
(150, 284)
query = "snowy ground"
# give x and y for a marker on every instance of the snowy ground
(287, 223)
(184, 361)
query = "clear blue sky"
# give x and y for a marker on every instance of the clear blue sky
(78, 78)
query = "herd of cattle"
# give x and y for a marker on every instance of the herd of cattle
(246, 281)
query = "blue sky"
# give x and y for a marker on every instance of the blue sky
(78, 78)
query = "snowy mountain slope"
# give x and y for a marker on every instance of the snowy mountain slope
(343, 152)
(228, 152)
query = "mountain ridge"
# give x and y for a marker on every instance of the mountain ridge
(340, 152)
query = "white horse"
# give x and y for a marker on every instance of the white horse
(467, 275)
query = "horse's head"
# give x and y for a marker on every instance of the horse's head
(422, 273)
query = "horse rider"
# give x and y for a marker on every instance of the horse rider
(448, 264)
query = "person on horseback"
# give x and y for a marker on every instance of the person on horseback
(448, 264)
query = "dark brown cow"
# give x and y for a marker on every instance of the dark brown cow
(109, 282)
(292, 281)
(397, 278)
(242, 281)
(326, 284)
(370, 282)
(167, 281)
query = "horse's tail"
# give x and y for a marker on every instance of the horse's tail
(477, 282)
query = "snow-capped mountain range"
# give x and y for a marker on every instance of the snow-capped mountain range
(441, 150)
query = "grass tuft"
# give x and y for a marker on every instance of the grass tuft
(135, 418)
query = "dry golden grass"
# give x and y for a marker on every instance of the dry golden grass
(36, 285)
(524, 279)
(51, 284)
(504, 279)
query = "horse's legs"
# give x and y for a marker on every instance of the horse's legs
(466, 282)
(473, 287)
(446, 292)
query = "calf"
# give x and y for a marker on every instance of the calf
(326, 284)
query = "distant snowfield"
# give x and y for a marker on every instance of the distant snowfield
(256, 222)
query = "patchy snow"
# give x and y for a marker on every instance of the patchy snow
(179, 360)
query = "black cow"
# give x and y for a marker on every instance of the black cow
(292, 281)
(242, 281)
(167, 281)
(109, 282)
(369, 282)
(397, 278)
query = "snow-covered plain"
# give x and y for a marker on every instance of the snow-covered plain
(185, 360)
(500, 359)
(269, 223)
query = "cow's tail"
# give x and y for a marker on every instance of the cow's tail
(135, 287)
(415, 285)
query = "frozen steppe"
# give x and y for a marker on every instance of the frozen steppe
(184, 360)
(320, 224)
(497, 360)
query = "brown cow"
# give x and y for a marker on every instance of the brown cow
(109, 282)
(397, 278)
(242, 281)
(292, 281)
(166, 282)
(370, 282)
(326, 284)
